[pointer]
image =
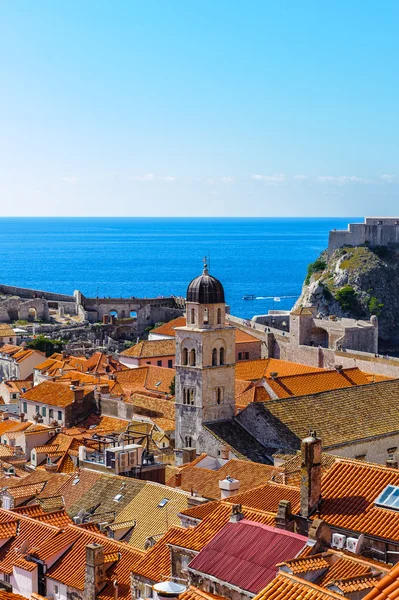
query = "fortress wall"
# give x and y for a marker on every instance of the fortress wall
(31, 293)
(360, 233)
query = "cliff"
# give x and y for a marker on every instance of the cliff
(357, 282)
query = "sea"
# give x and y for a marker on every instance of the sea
(150, 257)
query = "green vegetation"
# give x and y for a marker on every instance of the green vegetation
(375, 306)
(172, 387)
(348, 300)
(45, 344)
(21, 322)
(315, 267)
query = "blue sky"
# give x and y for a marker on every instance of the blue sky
(215, 108)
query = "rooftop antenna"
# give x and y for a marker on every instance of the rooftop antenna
(204, 260)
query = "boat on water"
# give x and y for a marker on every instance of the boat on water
(249, 297)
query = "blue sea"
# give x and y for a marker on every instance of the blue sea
(149, 257)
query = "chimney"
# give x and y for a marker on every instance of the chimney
(339, 368)
(319, 536)
(284, 517)
(236, 513)
(95, 571)
(228, 487)
(178, 479)
(274, 375)
(224, 453)
(189, 454)
(310, 474)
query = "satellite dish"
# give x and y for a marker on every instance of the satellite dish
(24, 547)
(359, 544)
(82, 514)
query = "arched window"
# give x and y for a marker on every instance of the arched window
(218, 395)
(184, 395)
(188, 441)
(192, 357)
(185, 356)
(221, 356)
(192, 316)
(206, 316)
(214, 357)
(192, 396)
(219, 317)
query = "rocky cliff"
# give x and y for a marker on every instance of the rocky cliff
(357, 282)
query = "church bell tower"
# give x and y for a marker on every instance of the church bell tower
(205, 364)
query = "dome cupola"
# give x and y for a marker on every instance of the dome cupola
(205, 289)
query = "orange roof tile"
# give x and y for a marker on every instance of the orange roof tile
(349, 490)
(205, 481)
(252, 370)
(313, 383)
(266, 497)
(289, 587)
(53, 393)
(151, 349)
(154, 407)
(147, 377)
(168, 329)
(387, 588)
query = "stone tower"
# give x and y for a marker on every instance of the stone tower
(205, 364)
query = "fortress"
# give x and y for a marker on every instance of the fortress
(375, 231)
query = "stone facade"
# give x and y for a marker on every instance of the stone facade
(375, 231)
(205, 374)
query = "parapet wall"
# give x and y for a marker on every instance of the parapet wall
(374, 232)
(10, 290)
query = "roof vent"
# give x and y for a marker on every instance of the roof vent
(274, 374)
(339, 368)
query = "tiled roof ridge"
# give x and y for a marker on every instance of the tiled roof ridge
(346, 556)
(20, 517)
(348, 390)
(261, 486)
(370, 465)
(316, 373)
(303, 583)
(100, 536)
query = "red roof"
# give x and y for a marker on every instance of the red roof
(245, 554)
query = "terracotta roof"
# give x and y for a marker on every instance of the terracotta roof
(252, 370)
(6, 330)
(244, 554)
(169, 328)
(102, 424)
(266, 497)
(10, 596)
(101, 363)
(387, 588)
(358, 583)
(147, 377)
(151, 349)
(289, 587)
(332, 414)
(153, 407)
(19, 385)
(193, 593)
(313, 383)
(18, 353)
(242, 337)
(55, 394)
(8, 425)
(73, 489)
(164, 424)
(253, 394)
(206, 481)
(70, 568)
(349, 490)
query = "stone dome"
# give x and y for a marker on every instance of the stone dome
(205, 289)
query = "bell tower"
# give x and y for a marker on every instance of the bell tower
(205, 364)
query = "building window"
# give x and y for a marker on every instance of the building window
(246, 355)
(221, 356)
(192, 316)
(148, 362)
(51, 413)
(185, 356)
(192, 357)
(6, 578)
(59, 415)
(188, 441)
(56, 591)
(240, 356)
(219, 317)
(214, 357)
(188, 396)
(44, 411)
(24, 407)
(37, 409)
(6, 502)
(206, 316)
(219, 395)
(170, 364)
(14, 396)
(159, 363)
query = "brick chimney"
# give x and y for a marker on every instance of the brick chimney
(284, 517)
(178, 479)
(310, 474)
(95, 571)
(236, 513)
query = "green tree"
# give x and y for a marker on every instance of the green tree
(45, 344)
(315, 267)
(375, 306)
(348, 300)
(172, 387)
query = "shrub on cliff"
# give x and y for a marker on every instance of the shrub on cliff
(45, 344)
(315, 267)
(348, 300)
(375, 306)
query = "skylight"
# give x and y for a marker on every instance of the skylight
(389, 498)
(163, 502)
(75, 481)
(118, 497)
(158, 383)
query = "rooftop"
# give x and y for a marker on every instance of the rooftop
(151, 349)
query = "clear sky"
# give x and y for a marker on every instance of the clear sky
(186, 107)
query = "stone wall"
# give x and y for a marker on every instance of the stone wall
(9, 290)
(375, 232)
